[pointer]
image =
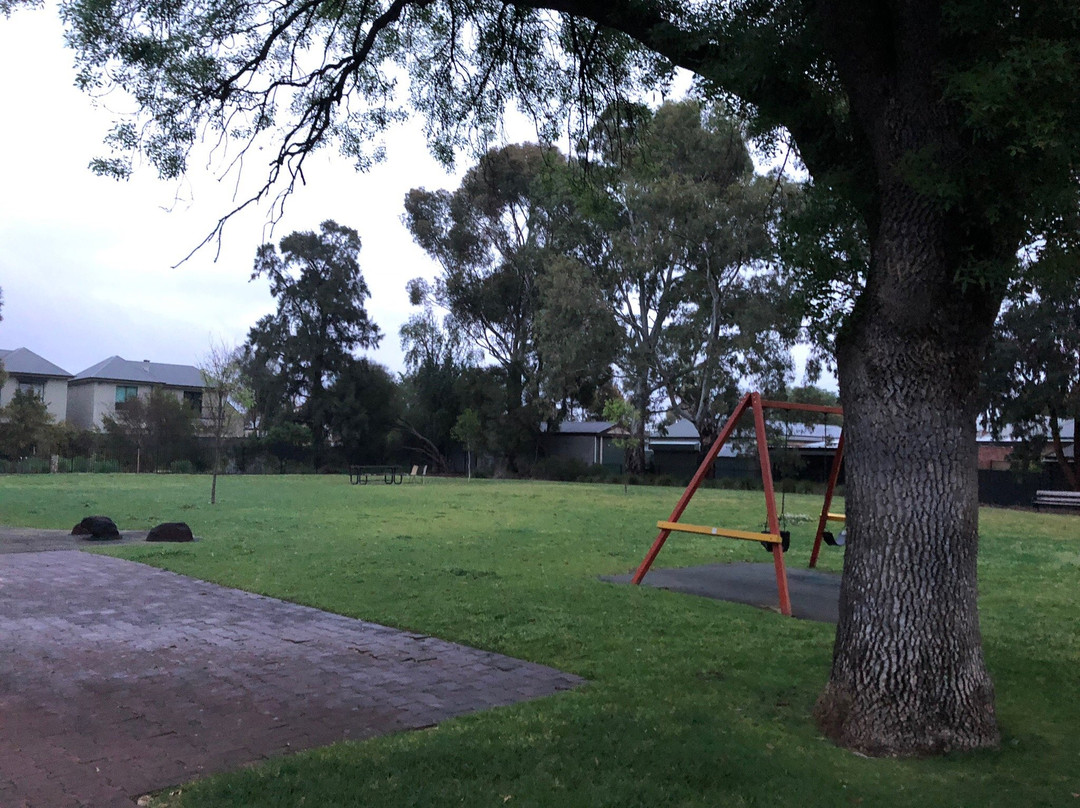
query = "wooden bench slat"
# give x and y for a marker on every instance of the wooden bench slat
(1057, 499)
(728, 533)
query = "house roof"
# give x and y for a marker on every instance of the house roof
(682, 429)
(985, 435)
(118, 369)
(586, 428)
(23, 360)
(806, 436)
(813, 435)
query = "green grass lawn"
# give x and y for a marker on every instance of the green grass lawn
(691, 702)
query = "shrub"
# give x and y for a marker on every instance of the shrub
(560, 469)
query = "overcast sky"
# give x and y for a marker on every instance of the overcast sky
(85, 262)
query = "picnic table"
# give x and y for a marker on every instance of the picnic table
(361, 475)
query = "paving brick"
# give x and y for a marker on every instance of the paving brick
(121, 679)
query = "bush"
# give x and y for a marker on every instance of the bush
(181, 467)
(670, 480)
(735, 484)
(261, 464)
(560, 469)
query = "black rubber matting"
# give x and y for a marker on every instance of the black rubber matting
(815, 595)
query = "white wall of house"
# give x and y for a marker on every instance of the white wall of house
(56, 398)
(80, 408)
(89, 402)
(55, 391)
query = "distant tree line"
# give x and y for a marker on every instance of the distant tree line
(653, 274)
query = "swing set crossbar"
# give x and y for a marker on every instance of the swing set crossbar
(727, 533)
(798, 407)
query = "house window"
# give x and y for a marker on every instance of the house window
(193, 399)
(33, 388)
(126, 393)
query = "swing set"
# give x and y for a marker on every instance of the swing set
(773, 538)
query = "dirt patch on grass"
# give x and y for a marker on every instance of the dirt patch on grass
(36, 540)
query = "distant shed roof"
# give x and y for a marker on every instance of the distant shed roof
(23, 360)
(118, 369)
(606, 428)
(682, 429)
(584, 427)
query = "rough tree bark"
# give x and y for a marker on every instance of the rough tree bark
(908, 674)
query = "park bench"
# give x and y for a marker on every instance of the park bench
(1057, 499)
(361, 475)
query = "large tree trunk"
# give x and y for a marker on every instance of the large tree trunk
(908, 675)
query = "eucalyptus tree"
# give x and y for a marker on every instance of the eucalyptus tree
(320, 319)
(949, 128)
(686, 226)
(506, 287)
(578, 339)
(437, 355)
(489, 236)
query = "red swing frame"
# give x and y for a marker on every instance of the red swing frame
(757, 405)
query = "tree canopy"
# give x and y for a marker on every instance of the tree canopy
(26, 427)
(298, 352)
(508, 289)
(682, 233)
(1032, 375)
(152, 430)
(950, 130)
(364, 412)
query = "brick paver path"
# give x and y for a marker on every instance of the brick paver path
(117, 679)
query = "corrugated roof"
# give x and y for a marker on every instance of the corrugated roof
(23, 360)
(984, 435)
(683, 430)
(118, 369)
